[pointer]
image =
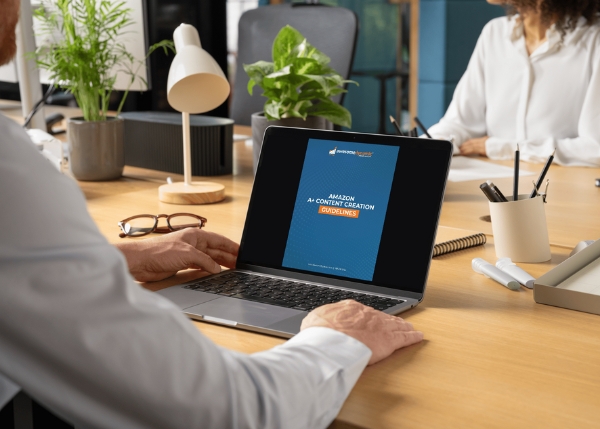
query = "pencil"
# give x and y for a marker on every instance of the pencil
(516, 178)
(542, 175)
(420, 124)
(398, 130)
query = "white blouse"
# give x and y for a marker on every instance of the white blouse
(549, 99)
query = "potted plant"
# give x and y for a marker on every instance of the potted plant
(81, 55)
(298, 85)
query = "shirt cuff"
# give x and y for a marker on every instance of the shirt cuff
(350, 353)
(499, 149)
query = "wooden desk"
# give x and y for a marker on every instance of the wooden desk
(571, 213)
(491, 358)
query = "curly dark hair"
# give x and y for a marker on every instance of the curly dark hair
(564, 13)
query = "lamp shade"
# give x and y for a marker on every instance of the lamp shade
(196, 83)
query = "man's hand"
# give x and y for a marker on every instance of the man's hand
(161, 257)
(382, 333)
(474, 147)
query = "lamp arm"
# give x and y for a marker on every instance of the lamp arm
(187, 152)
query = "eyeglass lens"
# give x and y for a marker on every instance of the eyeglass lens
(139, 226)
(184, 221)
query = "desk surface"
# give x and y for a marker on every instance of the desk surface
(491, 357)
(572, 209)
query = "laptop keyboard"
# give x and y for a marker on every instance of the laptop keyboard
(284, 293)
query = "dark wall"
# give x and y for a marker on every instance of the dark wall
(163, 16)
(448, 32)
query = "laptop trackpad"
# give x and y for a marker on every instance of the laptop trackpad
(184, 298)
(245, 312)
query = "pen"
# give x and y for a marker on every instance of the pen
(395, 124)
(497, 191)
(489, 193)
(483, 267)
(516, 178)
(542, 175)
(420, 124)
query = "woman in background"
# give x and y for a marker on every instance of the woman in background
(533, 80)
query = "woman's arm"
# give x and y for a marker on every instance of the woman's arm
(465, 117)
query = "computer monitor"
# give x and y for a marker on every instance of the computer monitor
(8, 73)
(134, 38)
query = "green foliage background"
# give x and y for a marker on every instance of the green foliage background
(299, 82)
(82, 59)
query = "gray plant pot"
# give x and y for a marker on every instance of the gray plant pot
(260, 124)
(96, 149)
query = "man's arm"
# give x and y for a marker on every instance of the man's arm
(81, 337)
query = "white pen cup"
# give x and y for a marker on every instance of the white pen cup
(520, 230)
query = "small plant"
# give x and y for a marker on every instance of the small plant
(299, 82)
(84, 51)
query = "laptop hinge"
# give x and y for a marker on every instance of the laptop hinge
(356, 287)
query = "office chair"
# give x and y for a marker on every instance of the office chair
(332, 30)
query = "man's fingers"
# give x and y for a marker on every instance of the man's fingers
(221, 257)
(403, 325)
(202, 260)
(406, 338)
(218, 242)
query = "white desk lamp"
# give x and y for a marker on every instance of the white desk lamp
(196, 84)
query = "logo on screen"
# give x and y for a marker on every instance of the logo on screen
(350, 152)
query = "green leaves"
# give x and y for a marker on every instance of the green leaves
(299, 81)
(332, 112)
(284, 44)
(84, 50)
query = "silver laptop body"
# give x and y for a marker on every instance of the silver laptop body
(332, 216)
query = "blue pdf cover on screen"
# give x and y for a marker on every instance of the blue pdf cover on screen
(340, 208)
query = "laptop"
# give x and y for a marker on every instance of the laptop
(332, 216)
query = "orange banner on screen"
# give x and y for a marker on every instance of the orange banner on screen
(337, 211)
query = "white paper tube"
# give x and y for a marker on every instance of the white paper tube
(519, 274)
(483, 267)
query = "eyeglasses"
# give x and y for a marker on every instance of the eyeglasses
(136, 226)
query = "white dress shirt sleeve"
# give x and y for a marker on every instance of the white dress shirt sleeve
(465, 117)
(82, 338)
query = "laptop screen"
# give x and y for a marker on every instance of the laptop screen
(350, 206)
(340, 208)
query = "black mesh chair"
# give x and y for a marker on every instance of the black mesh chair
(333, 30)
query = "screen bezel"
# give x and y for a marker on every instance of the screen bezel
(276, 134)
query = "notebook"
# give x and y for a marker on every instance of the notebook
(450, 240)
(327, 213)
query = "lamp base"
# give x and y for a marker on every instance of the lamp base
(194, 193)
